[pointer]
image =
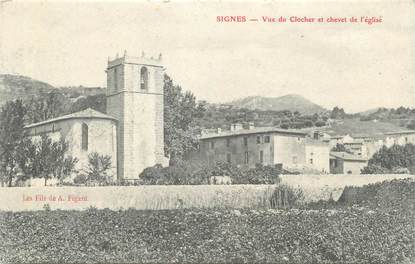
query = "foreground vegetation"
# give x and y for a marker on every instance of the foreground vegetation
(350, 231)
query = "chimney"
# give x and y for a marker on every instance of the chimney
(218, 130)
(251, 125)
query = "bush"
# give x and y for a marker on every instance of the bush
(181, 173)
(98, 169)
(374, 169)
(396, 159)
(195, 173)
(258, 175)
(320, 123)
(285, 196)
(387, 194)
(80, 179)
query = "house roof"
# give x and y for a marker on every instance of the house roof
(346, 156)
(257, 130)
(84, 114)
(313, 142)
(355, 142)
(401, 132)
(339, 136)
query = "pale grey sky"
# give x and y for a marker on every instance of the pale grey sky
(356, 66)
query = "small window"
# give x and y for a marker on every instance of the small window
(144, 78)
(311, 161)
(115, 79)
(294, 159)
(84, 137)
(258, 139)
(261, 157)
(267, 139)
(228, 158)
(212, 145)
(228, 142)
(246, 157)
(299, 139)
(245, 141)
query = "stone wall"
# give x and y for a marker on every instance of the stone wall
(315, 187)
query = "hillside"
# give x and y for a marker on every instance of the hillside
(292, 102)
(369, 112)
(21, 87)
(358, 127)
(15, 86)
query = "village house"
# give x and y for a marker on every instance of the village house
(346, 163)
(399, 138)
(340, 139)
(246, 147)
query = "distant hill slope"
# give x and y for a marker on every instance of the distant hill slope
(369, 112)
(21, 87)
(16, 86)
(356, 127)
(292, 102)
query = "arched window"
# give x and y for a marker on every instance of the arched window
(115, 79)
(144, 78)
(84, 138)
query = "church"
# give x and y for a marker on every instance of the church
(131, 131)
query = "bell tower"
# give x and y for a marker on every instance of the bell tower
(135, 99)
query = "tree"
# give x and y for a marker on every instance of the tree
(337, 113)
(394, 159)
(51, 105)
(97, 102)
(62, 165)
(45, 158)
(98, 168)
(180, 112)
(11, 135)
(27, 158)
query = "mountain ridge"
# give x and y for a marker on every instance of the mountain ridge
(14, 87)
(292, 102)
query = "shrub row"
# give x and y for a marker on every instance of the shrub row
(194, 173)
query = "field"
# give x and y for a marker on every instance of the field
(357, 127)
(295, 236)
(362, 228)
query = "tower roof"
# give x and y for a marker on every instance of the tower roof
(143, 60)
(88, 113)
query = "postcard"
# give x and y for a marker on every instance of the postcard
(207, 131)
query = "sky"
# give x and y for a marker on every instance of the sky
(353, 65)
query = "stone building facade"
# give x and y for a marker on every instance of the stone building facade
(266, 146)
(135, 99)
(399, 138)
(85, 132)
(346, 163)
